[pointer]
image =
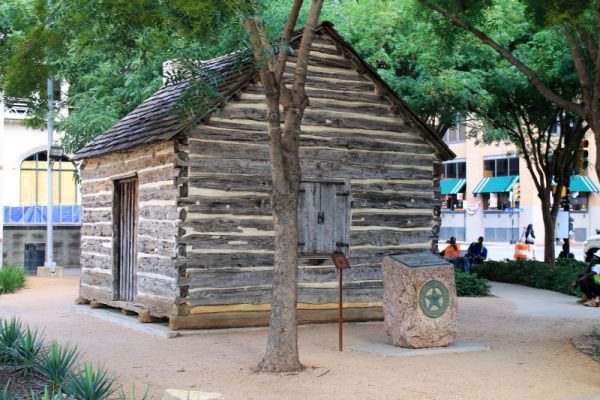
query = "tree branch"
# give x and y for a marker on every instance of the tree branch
(285, 39)
(531, 76)
(580, 66)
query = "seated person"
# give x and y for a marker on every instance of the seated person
(451, 251)
(589, 283)
(476, 253)
(564, 253)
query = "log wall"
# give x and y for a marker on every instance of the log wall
(349, 132)
(157, 288)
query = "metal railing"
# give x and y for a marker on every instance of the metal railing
(26, 215)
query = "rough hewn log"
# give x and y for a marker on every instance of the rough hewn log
(227, 224)
(245, 151)
(261, 318)
(258, 206)
(212, 260)
(314, 169)
(157, 265)
(391, 200)
(96, 230)
(357, 292)
(153, 246)
(228, 242)
(155, 287)
(158, 213)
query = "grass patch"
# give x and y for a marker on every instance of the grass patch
(534, 274)
(12, 278)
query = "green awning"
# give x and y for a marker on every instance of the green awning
(452, 186)
(583, 184)
(498, 184)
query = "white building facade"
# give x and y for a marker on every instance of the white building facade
(23, 194)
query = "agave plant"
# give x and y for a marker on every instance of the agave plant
(133, 396)
(10, 334)
(7, 393)
(56, 363)
(28, 348)
(47, 395)
(90, 384)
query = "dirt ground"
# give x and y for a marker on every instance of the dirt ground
(530, 358)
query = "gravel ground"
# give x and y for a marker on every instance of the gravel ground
(530, 357)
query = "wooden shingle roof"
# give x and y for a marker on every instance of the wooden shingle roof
(157, 118)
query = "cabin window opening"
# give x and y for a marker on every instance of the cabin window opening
(323, 218)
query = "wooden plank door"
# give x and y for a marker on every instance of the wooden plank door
(125, 234)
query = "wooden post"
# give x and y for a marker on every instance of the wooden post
(341, 308)
(341, 263)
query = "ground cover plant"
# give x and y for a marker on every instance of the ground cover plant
(534, 273)
(471, 285)
(32, 369)
(11, 279)
(589, 343)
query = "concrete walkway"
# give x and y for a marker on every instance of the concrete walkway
(543, 303)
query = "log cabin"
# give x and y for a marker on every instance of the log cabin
(176, 213)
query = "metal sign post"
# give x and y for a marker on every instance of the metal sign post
(341, 263)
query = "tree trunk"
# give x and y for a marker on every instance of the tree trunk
(596, 130)
(282, 347)
(549, 232)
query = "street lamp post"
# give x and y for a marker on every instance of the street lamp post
(49, 217)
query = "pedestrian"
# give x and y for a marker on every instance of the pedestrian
(452, 251)
(528, 237)
(476, 254)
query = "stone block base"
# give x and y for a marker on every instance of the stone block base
(46, 272)
(419, 304)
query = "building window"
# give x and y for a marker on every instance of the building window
(323, 218)
(499, 201)
(34, 183)
(455, 170)
(453, 188)
(502, 166)
(580, 203)
(457, 133)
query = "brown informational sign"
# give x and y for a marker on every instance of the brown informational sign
(340, 260)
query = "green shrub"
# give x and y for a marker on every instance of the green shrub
(11, 278)
(471, 285)
(534, 273)
(11, 332)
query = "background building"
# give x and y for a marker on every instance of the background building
(488, 191)
(23, 197)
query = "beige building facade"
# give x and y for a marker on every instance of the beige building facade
(488, 191)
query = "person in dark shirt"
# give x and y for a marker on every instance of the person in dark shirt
(477, 253)
(589, 283)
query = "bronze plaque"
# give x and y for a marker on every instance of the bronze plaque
(415, 260)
